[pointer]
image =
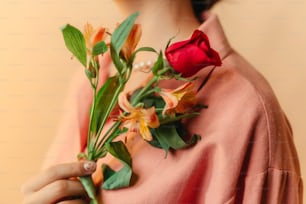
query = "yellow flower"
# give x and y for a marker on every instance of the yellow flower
(179, 100)
(131, 42)
(93, 36)
(138, 120)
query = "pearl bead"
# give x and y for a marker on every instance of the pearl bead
(142, 65)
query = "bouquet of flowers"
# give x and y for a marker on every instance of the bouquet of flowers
(152, 112)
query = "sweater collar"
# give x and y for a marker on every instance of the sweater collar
(213, 29)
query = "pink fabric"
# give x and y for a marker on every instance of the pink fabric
(246, 154)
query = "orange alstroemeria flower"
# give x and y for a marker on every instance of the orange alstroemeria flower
(131, 42)
(93, 36)
(138, 120)
(179, 100)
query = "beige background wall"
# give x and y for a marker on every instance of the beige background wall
(35, 69)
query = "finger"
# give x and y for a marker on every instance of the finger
(58, 172)
(56, 191)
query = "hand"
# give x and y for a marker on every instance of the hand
(58, 184)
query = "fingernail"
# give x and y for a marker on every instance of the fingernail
(89, 166)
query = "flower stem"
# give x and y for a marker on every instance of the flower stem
(143, 90)
(89, 186)
(101, 143)
(89, 134)
(108, 111)
(110, 130)
(112, 135)
(172, 119)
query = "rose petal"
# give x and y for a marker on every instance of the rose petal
(190, 56)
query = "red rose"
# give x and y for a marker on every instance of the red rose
(190, 56)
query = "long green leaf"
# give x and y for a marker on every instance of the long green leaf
(159, 64)
(119, 150)
(103, 103)
(177, 118)
(146, 49)
(121, 178)
(142, 49)
(168, 137)
(120, 35)
(115, 180)
(89, 186)
(99, 48)
(75, 43)
(116, 59)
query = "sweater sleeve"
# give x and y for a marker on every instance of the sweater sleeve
(248, 151)
(271, 186)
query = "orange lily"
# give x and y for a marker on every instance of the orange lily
(138, 119)
(131, 42)
(93, 36)
(179, 100)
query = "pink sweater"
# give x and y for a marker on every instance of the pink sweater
(246, 154)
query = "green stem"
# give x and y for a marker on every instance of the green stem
(89, 187)
(172, 119)
(148, 85)
(101, 152)
(112, 104)
(89, 133)
(110, 130)
(113, 136)
(149, 92)
(143, 90)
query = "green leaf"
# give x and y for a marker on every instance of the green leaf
(88, 74)
(134, 94)
(119, 150)
(75, 43)
(169, 41)
(104, 103)
(142, 49)
(116, 59)
(116, 180)
(107, 171)
(177, 118)
(145, 49)
(99, 48)
(89, 186)
(120, 35)
(121, 178)
(159, 64)
(168, 137)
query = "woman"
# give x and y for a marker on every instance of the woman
(246, 154)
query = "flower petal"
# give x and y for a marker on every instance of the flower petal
(150, 117)
(88, 31)
(180, 99)
(99, 35)
(187, 102)
(138, 120)
(131, 42)
(145, 131)
(93, 36)
(124, 103)
(190, 56)
(170, 100)
(187, 87)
